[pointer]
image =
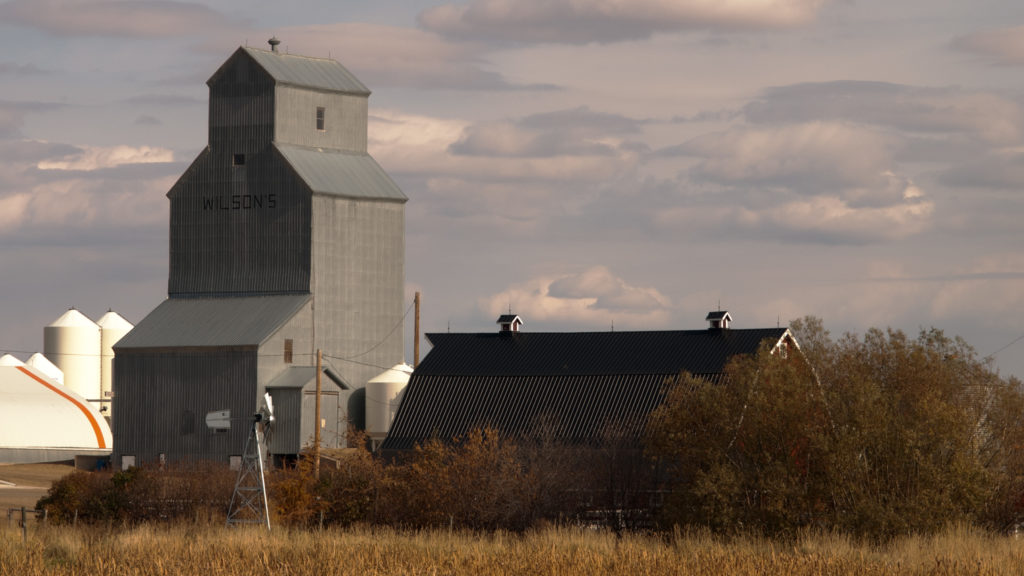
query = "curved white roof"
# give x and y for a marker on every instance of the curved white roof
(8, 360)
(72, 318)
(43, 364)
(36, 412)
(398, 374)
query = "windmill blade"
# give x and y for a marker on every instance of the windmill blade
(268, 417)
(270, 405)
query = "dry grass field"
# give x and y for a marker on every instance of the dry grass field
(217, 551)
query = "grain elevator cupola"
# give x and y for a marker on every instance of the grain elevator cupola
(286, 237)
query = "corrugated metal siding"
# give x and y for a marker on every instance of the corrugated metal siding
(239, 229)
(574, 408)
(286, 438)
(345, 119)
(161, 401)
(241, 107)
(359, 269)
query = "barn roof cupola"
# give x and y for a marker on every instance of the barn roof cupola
(273, 43)
(718, 319)
(509, 323)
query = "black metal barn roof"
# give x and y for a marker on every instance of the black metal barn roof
(570, 384)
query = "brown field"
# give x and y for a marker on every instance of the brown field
(217, 551)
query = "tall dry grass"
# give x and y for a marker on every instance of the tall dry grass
(217, 551)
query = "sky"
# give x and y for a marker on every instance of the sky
(588, 164)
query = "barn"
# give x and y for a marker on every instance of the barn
(574, 386)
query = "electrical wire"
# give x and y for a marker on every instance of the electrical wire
(1015, 340)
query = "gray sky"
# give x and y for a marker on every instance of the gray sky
(588, 163)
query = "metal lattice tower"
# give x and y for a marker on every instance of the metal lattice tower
(249, 500)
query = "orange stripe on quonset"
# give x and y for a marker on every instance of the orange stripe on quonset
(95, 425)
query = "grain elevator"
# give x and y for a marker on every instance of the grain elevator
(286, 237)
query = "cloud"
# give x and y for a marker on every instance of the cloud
(578, 131)
(54, 187)
(20, 70)
(986, 116)
(809, 158)
(501, 152)
(594, 297)
(395, 56)
(132, 18)
(1003, 46)
(94, 158)
(12, 115)
(813, 182)
(584, 21)
(994, 282)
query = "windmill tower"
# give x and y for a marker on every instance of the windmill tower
(249, 499)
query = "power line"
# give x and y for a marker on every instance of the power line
(1015, 340)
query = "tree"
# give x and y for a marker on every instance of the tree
(750, 450)
(879, 435)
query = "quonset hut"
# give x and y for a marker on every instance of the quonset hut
(285, 237)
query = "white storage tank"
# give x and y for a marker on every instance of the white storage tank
(113, 327)
(383, 394)
(39, 362)
(72, 342)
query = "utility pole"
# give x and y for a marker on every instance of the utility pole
(416, 342)
(316, 428)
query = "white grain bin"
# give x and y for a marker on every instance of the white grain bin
(113, 327)
(383, 393)
(42, 364)
(72, 342)
(8, 360)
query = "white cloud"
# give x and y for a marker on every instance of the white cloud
(96, 157)
(594, 297)
(418, 144)
(582, 21)
(57, 186)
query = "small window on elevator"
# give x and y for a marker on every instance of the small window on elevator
(320, 118)
(238, 160)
